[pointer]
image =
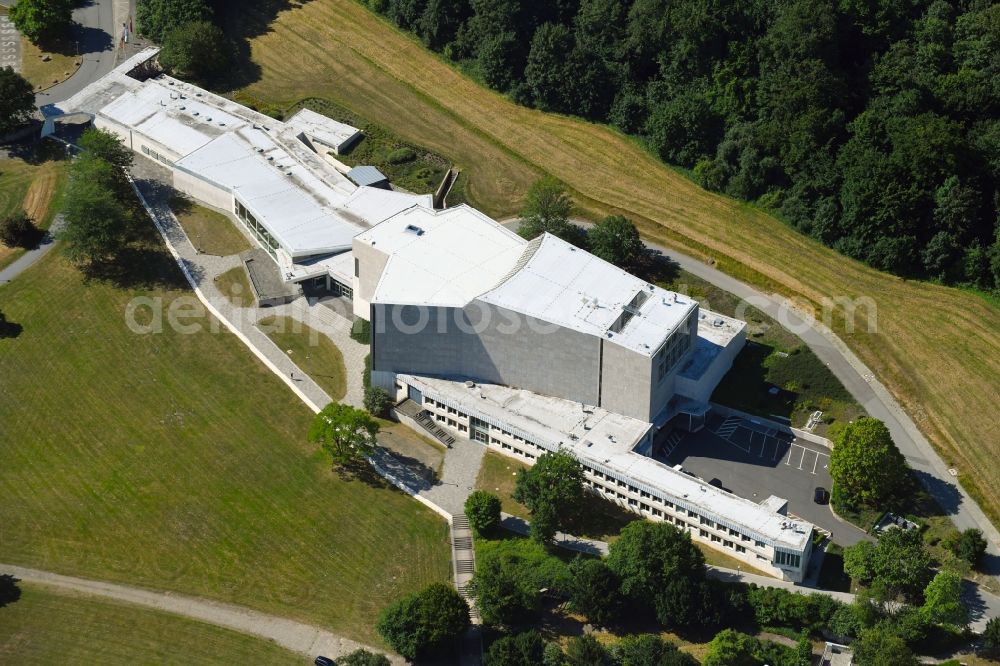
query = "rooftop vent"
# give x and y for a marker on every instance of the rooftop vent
(470, 384)
(718, 323)
(170, 83)
(414, 229)
(197, 94)
(182, 107)
(195, 113)
(209, 119)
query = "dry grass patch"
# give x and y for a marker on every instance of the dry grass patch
(235, 286)
(935, 347)
(43, 73)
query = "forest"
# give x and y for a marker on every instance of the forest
(870, 125)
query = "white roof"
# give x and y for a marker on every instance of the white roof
(605, 440)
(571, 287)
(443, 258)
(325, 130)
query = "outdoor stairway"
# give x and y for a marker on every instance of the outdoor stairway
(413, 410)
(463, 555)
(673, 439)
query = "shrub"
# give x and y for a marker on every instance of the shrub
(362, 657)
(483, 511)
(991, 638)
(516, 650)
(593, 590)
(198, 49)
(425, 624)
(401, 155)
(377, 400)
(18, 230)
(968, 545)
(586, 651)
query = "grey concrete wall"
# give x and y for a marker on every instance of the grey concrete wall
(488, 344)
(626, 379)
(371, 263)
(202, 190)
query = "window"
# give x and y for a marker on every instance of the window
(659, 514)
(480, 436)
(644, 507)
(759, 544)
(703, 534)
(439, 417)
(740, 549)
(633, 502)
(357, 267)
(452, 422)
(463, 428)
(716, 538)
(727, 543)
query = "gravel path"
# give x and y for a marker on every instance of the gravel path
(296, 636)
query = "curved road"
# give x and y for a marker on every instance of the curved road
(861, 382)
(99, 26)
(295, 636)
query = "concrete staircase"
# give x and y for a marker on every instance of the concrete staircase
(413, 410)
(463, 554)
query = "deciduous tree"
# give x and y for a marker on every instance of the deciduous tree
(425, 624)
(520, 649)
(17, 100)
(552, 489)
(586, 651)
(155, 18)
(99, 220)
(377, 400)
(504, 592)
(346, 433)
(482, 508)
(18, 230)
(880, 645)
(866, 467)
(362, 657)
(943, 600)
(649, 650)
(898, 564)
(594, 591)
(198, 50)
(42, 20)
(547, 208)
(616, 240)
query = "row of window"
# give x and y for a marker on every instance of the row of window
(257, 229)
(674, 348)
(480, 433)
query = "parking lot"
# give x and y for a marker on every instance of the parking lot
(755, 461)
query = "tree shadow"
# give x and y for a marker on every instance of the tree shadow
(411, 472)
(9, 590)
(9, 329)
(35, 151)
(242, 20)
(139, 267)
(657, 268)
(944, 493)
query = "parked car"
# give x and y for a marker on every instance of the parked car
(324, 661)
(820, 496)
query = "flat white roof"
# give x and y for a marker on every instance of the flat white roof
(326, 131)
(443, 258)
(568, 286)
(715, 333)
(605, 440)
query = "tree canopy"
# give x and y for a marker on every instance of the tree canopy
(100, 218)
(866, 467)
(425, 624)
(616, 240)
(17, 100)
(547, 208)
(552, 489)
(871, 127)
(594, 591)
(156, 18)
(524, 648)
(362, 657)
(897, 564)
(482, 508)
(42, 20)
(943, 600)
(198, 49)
(346, 433)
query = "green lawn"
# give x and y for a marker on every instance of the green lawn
(773, 357)
(235, 286)
(313, 352)
(46, 626)
(209, 231)
(422, 452)
(178, 462)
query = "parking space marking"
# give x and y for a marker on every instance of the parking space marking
(803, 463)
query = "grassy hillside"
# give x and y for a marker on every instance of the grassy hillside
(30, 185)
(935, 347)
(179, 462)
(46, 626)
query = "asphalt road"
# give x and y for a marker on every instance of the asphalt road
(99, 26)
